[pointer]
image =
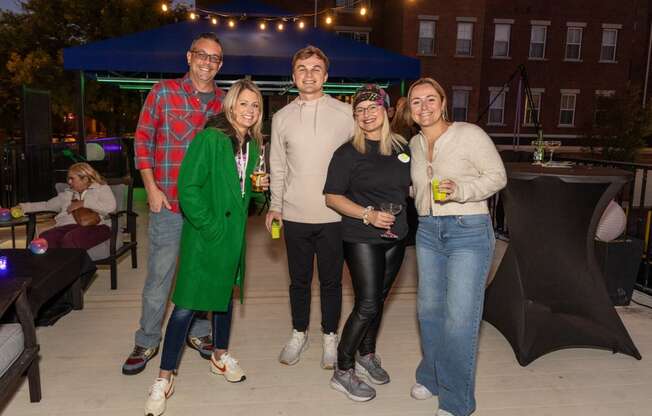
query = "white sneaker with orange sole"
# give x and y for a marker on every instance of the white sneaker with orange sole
(158, 395)
(228, 367)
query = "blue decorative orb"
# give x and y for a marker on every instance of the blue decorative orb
(38, 246)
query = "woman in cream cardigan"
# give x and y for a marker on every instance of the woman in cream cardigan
(454, 244)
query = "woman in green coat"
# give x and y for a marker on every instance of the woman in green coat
(214, 192)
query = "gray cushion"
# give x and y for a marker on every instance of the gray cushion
(12, 345)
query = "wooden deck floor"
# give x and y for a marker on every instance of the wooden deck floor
(83, 352)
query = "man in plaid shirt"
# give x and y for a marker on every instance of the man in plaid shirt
(174, 111)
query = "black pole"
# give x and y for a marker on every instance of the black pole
(81, 115)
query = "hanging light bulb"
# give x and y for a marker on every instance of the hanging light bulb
(214, 21)
(280, 26)
(262, 26)
(363, 11)
(329, 20)
(231, 23)
(301, 24)
(193, 16)
(164, 7)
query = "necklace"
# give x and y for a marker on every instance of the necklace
(241, 160)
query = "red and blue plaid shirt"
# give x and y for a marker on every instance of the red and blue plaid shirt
(172, 115)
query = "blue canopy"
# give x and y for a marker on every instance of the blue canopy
(247, 49)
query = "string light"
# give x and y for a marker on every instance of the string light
(280, 26)
(263, 26)
(214, 21)
(193, 16)
(164, 7)
(363, 11)
(301, 24)
(329, 20)
(231, 23)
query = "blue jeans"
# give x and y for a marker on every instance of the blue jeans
(454, 254)
(164, 239)
(177, 330)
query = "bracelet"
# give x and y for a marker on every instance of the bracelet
(365, 214)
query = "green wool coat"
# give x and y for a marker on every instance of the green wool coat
(212, 254)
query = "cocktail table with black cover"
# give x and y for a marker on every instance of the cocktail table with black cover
(56, 273)
(548, 292)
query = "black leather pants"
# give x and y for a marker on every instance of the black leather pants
(373, 268)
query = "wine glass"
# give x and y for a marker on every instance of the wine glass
(551, 145)
(390, 208)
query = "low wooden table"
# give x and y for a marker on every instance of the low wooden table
(57, 273)
(13, 223)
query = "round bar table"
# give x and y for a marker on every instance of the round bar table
(549, 293)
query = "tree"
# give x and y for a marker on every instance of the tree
(620, 127)
(32, 43)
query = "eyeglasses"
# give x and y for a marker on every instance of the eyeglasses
(203, 56)
(372, 109)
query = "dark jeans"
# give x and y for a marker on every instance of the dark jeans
(76, 236)
(177, 331)
(373, 269)
(303, 241)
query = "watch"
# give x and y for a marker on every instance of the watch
(365, 214)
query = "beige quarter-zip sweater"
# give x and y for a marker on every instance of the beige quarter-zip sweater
(467, 156)
(304, 136)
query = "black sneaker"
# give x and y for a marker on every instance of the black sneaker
(203, 345)
(137, 360)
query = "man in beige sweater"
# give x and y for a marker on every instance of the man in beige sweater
(305, 133)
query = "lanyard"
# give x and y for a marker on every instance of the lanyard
(241, 161)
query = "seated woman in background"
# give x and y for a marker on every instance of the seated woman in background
(87, 189)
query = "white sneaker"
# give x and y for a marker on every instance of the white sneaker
(443, 413)
(297, 344)
(160, 391)
(329, 356)
(228, 367)
(420, 392)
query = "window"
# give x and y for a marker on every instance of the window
(603, 101)
(538, 42)
(349, 4)
(426, 44)
(532, 110)
(501, 40)
(567, 109)
(357, 36)
(574, 44)
(460, 104)
(496, 107)
(608, 48)
(463, 46)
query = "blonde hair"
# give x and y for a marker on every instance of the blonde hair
(229, 102)
(388, 140)
(402, 117)
(84, 170)
(437, 87)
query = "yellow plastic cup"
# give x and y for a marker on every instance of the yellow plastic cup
(436, 195)
(276, 230)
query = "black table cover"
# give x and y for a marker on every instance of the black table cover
(548, 292)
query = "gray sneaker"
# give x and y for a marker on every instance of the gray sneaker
(347, 382)
(369, 366)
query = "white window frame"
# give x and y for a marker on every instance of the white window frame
(346, 4)
(432, 21)
(572, 110)
(545, 38)
(359, 33)
(527, 114)
(612, 58)
(579, 28)
(493, 92)
(466, 91)
(503, 24)
(458, 50)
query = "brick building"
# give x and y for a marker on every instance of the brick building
(574, 53)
